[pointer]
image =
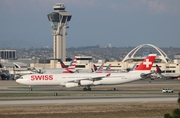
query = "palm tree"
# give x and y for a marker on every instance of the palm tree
(167, 115)
(176, 113)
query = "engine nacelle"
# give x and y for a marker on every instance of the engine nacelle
(68, 85)
(97, 83)
(86, 82)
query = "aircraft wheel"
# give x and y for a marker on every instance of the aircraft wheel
(85, 89)
(30, 89)
(115, 89)
(55, 94)
(89, 89)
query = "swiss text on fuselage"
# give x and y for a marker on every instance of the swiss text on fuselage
(41, 77)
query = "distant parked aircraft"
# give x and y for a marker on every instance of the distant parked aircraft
(64, 69)
(166, 75)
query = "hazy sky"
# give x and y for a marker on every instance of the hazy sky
(121, 23)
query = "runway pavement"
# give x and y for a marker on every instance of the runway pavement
(43, 101)
(141, 92)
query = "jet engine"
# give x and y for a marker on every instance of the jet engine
(143, 76)
(86, 82)
(97, 83)
(68, 85)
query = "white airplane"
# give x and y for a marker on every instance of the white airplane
(89, 79)
(53, 70)
(64, 69)
(166, 75)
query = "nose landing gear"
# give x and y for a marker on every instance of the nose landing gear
(30, 88)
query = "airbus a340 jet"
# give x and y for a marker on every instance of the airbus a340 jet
(89, 79)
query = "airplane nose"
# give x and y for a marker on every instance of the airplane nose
(17, 81)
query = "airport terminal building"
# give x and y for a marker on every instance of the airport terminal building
(21, 67)
(84, 62)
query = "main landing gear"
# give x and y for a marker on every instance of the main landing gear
(87, 89)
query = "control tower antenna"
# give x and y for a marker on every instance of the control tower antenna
(59, 18)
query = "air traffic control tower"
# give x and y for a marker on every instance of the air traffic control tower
(59, 18)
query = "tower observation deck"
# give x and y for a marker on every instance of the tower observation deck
(59, 18)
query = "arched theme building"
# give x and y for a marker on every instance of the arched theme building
(161, 57)
(133, 57)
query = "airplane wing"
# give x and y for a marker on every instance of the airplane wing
(99, 78)
(92, 78)
(143, 75)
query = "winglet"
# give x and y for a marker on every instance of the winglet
(107, 75)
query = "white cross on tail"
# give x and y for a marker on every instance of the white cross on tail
(147, 63)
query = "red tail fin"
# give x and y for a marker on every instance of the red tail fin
(71, 67)
(62, 64)
(95, 67)
(147, 63)
(158, 70)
